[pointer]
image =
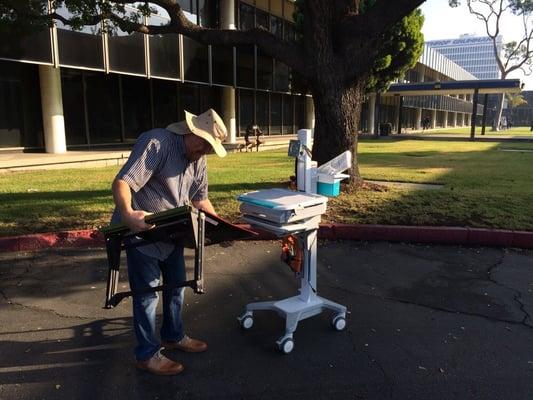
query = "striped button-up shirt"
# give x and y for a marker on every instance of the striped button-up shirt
(161, 178)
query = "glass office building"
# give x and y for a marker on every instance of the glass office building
(107, 88)
(114, 85)
(442, 110)
(473, 53)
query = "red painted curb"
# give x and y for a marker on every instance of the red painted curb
(329, 231)
(84, 238)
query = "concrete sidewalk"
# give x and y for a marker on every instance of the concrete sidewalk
(18, 161)
(425, 322)
(453, 137)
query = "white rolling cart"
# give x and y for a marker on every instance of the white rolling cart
(285, 212)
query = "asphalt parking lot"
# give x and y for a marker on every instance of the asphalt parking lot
(424, 322)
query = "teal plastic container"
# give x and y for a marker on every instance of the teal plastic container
(329, 189)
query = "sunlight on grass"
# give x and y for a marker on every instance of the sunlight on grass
(465, 131)
(482, 186)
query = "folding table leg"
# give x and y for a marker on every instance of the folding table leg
(113, 247)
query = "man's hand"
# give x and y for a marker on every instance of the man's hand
(135, 221)
(204, 205)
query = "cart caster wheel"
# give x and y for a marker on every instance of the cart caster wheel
(247, 322)
(338, 322)
(286, 346)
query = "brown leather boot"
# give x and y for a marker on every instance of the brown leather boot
(158, 364)
(186, 344)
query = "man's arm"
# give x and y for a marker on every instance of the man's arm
(204, 205)
(132, 218)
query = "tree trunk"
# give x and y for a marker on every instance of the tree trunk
(337, 118)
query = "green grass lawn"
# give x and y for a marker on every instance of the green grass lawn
(483, 186)
(465, 131)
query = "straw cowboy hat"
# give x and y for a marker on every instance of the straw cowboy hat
(208, 125)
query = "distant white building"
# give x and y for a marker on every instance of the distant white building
(474, 53)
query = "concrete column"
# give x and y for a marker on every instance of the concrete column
(371, 115)
(52, 109)
(309, 113)
(227, 14)
(228, 113)
(445, 123)
(418, 119)
(454, 119)
(433, 119)
(227, 21)
(461, 117)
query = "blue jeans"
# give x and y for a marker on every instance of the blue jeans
(145, 272)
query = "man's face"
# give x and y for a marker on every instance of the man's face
(196, 147)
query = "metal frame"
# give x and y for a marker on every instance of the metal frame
(114, 246)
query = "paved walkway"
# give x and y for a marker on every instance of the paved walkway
(425, 322)
(16, 161)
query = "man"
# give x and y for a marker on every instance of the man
(166, 169)
(252, 130)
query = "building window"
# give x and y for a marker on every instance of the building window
(222, 61)
(245, 66)
(289, 31)
(81, 48)
(189, 100)
(246, 110)
(20, 106)
(73, 107)
(246, 17)
(207, 13)
(262, 112)
(103, 107)
(265, 72)
(288, 115)
(195, 61)
(33, 47)
(11, 121)
(126, 51)
(275, 114)
(276, 26)
(299, 112)
(282, 77)
(262, 19)
(164, 51)
(136, 106)
(165, 97)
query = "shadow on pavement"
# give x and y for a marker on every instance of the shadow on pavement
(425, 322)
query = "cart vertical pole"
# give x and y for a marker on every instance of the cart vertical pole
(308, 280)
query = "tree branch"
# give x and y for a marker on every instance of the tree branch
(364, 25)
(367, 31)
